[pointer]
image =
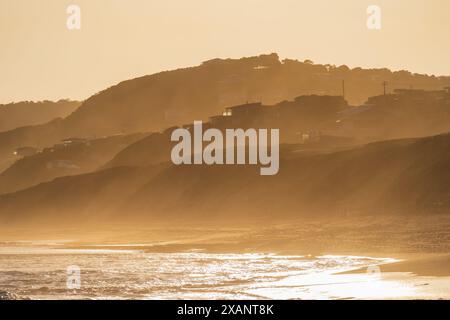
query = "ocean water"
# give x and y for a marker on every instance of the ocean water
(41, 272)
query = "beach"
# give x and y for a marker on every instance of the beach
(300, 261)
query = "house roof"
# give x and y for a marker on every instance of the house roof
(247, 105)
(73, 139)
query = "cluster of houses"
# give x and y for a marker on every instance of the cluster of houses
(412, 96)
(30, 151)
(309, 118)
(305, 119)
(301, 120)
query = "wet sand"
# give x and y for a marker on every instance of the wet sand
(434, 265)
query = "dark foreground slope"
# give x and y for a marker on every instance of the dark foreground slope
(403, 177)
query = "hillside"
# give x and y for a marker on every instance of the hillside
(161, 100)
(63, 160)
(158, 101)
(400, 177)
(21, 114)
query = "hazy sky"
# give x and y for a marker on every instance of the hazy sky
(121, 39)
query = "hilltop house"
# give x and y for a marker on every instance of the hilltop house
(73, 141)
(247, 109)
(25, 151)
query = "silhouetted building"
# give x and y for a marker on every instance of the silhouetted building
(244, 110)
(73, 141)
(25, 151)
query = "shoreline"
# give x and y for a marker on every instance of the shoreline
(412, 277)
(431, 265)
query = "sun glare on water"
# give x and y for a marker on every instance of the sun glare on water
(40, 273)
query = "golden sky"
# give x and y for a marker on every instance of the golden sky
(121, 39)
